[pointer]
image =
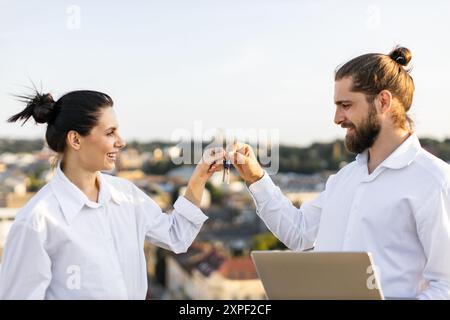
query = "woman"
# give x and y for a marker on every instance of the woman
(82, 235)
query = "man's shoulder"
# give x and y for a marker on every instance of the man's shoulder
(437, 169)
(347, 168)
(343, 172)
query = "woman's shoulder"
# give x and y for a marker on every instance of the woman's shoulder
(42, 204)
(116, 181)
(124, 189)
(119, 185)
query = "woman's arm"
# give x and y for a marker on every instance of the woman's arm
(210, 163)
(176, 231)
(26, 267)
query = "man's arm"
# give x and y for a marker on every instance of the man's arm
(296, 228)
(433, 227)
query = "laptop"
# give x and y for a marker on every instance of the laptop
(290, 275)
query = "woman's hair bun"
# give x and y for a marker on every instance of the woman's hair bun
(43, 107)
(401, 55)
(40, 106)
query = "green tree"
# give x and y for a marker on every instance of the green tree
(266, 241)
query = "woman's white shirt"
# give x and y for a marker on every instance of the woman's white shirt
(64, 246)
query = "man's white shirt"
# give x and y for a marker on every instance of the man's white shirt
(400, 213)
(64, 246)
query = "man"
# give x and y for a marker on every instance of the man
(393, 201)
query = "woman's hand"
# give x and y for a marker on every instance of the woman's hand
(212, 161)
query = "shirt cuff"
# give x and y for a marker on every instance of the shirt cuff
(190, 211)
(262, 190)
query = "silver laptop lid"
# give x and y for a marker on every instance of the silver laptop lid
(317, 275)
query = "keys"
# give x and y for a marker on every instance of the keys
(226, 171)
(227, 164)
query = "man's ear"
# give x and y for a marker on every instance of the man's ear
(384, 101)
(73, 140)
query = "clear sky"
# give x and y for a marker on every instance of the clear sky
(235, 64)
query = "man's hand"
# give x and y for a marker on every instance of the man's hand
(244, 160)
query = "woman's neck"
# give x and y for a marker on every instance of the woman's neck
(85, 180)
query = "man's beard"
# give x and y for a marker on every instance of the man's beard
(364, 136)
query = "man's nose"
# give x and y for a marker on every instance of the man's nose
(338, 117)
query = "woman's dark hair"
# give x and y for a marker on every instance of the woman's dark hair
(76, 110)
(371, 73)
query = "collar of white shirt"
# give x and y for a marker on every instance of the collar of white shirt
(72, 199)
(403, 156)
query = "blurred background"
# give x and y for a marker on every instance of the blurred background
(170, 65)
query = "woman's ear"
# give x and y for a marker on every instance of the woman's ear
(73, 140)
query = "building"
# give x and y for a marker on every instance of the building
(129, 159)
(205, 273)
(181, 175)
(13, 189)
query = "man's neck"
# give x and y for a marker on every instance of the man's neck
(85, 180)
(384, 145)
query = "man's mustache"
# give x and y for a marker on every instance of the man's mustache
(347, 124)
